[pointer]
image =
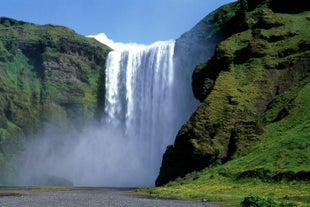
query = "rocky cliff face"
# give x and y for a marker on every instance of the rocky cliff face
(47, 73)
(194, 47)
(241, 89)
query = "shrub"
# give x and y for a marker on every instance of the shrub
(256, 201)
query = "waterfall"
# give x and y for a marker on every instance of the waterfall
(140, 97)
(142, 103)
(147, 100)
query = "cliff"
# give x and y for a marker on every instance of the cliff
(253, 92)
(47, 73)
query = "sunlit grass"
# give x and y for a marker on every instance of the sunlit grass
(227, 192)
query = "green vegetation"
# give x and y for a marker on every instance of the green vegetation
(46, 73)
(276, 168)
(256, 201)
(213, 187)
(19, 191)
(249, 138)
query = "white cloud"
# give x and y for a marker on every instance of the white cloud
(116, 45)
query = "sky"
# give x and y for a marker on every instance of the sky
(140, 21)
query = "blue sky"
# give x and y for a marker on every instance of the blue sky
(141, 21)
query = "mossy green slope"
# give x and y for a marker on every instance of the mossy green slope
(47, 73)
(276, 168)
(252, 124)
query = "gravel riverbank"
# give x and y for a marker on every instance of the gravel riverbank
(90, 197)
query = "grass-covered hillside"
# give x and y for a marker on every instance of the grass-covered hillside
(46, 73)
(251, 131)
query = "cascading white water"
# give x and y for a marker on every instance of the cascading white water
(147, 100)
(140, 100)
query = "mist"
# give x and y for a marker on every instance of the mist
(93, 156)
